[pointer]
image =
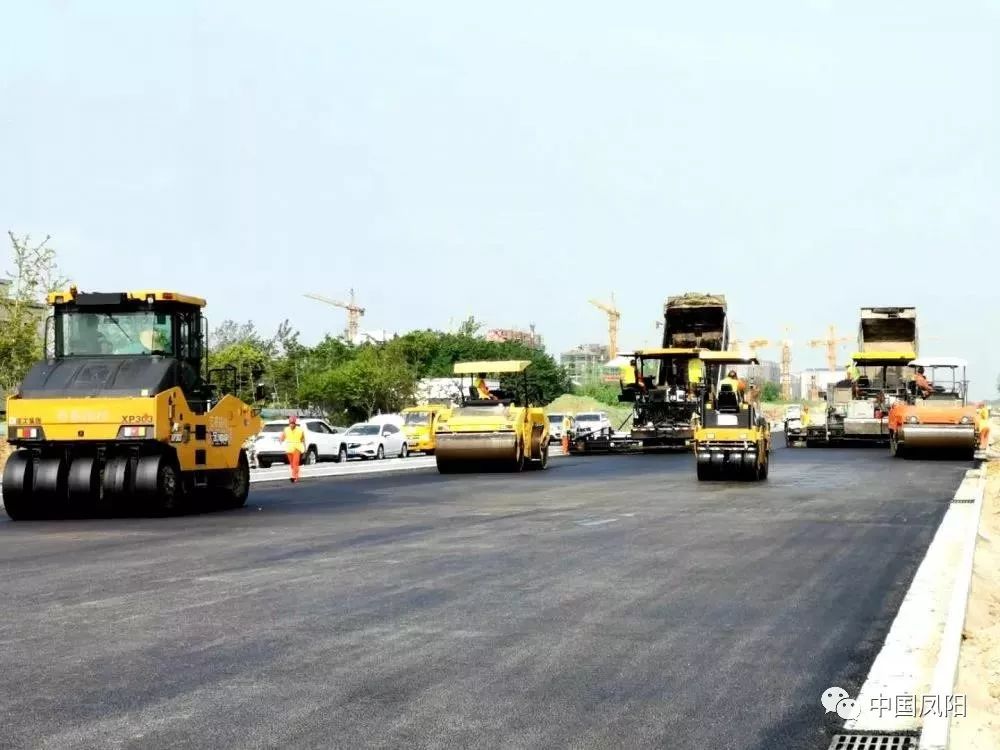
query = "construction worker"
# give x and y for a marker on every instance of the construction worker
(853, 373)
(983, 418)
(805, 417)
(295, 445)
(567, 425)
(482, 390)
(733, 382)
(696, 373)
(922, 383)
(627, 374)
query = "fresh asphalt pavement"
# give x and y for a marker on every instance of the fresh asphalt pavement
(608, 601)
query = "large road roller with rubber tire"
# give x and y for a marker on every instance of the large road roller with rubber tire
(120, 418)
(732, 439)
(495, 430)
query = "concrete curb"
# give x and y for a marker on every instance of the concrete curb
(920, 654)
(935, 734)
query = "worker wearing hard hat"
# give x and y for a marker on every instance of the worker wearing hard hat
(626, 373)
(567, 425)
(733, 382)
(295, 445)
(805, 417)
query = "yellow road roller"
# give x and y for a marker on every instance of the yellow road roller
(732, 439)
(120, 418)
(493, 430)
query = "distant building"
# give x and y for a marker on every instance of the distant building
(584, 363)
(818, 379)
(530, 338)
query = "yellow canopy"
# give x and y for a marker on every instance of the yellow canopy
(727, 358)
(883, 358)
(158, 295)
(474, 368)
(665, 353)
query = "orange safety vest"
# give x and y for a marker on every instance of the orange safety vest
(294, 439)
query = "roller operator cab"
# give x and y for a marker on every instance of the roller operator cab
(732, 438)
(119, 416)
(504, 432)
(937, 418)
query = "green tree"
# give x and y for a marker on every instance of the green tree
(22, 306)
(770, 392)
(247, 359)
(378, 378)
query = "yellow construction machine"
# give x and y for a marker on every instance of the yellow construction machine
(732, 438)
(120, 418)
(419, 423)
(503, 432)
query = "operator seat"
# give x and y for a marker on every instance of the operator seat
(728, 402)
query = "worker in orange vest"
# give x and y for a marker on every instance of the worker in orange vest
(295, 445)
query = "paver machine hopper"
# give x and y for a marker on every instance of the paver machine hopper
(504, 432)
(121, 417)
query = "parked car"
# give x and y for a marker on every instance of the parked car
(556, 425)
(592, 421)
(367, 440)
(322, 442)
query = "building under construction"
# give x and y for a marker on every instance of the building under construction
(584, 364)
(529, 338)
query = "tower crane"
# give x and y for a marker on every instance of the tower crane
(831, 342)
(354, 313)
(614, 316)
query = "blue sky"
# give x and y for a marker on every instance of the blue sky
(510, 162)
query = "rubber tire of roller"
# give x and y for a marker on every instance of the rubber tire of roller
(543, 461)
(18, 482)
(51, 475)
(519, 458)
(84, 484)
(118, 484)
(151, 474)
(239, 484)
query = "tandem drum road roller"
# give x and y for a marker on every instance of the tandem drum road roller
(504, 432)
(119, 417)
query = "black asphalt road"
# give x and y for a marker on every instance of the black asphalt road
(606, 602)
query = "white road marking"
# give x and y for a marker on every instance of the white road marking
(597, 523)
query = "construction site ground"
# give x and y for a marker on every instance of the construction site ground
(607, 601)
(979, 663)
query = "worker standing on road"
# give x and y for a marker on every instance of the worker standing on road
(295, 445)
(567, 425)
(983, 417)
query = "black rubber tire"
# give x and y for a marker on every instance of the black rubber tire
(704, 472)
(519, 459)
(119, 483)
(263, 463)
(84, 485)
(765, 468)
(446, 467)
(342, 454)
(380, 453)
(158, 485)
(238, 489)
(51, 475)
(18, 482)
(311, 457)
(404, 451)
(543, 461)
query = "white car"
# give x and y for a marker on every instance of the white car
(367, 440)
(322, 442)
(592, 421)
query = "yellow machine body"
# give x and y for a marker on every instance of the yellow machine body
(487, 433)
(121, 416)
(732, 438)
(419, 425)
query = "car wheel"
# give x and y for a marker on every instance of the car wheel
(311, 455)
(380, 454)
(342, 454)
(405, 451)
(263, 463)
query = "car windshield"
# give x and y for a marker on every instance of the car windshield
(363, 429)
(86, 334)
(417, 418)
(588, 417)
(274, 427)
(555, 417)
